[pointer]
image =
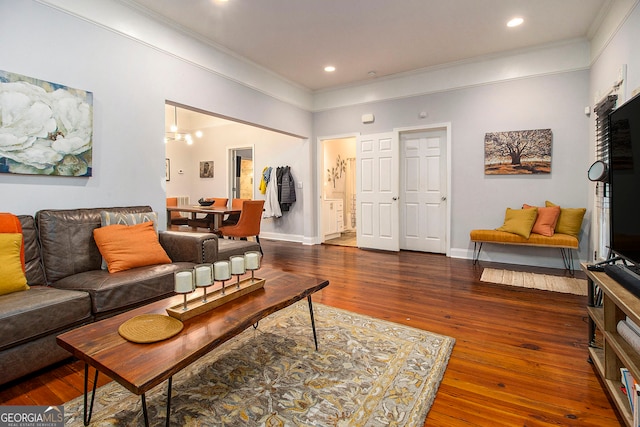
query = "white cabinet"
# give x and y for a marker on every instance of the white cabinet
(333, 218)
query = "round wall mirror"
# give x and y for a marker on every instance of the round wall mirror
(598, 171)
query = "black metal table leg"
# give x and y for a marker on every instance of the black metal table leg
(87, 415)
(145, 413)
(144, 410)
(169, 400)
(313, 323)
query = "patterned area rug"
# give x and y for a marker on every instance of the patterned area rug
(367, 372)
(567, 285)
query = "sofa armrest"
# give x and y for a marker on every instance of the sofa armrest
(189, 247)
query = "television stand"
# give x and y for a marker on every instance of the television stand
(608, 351)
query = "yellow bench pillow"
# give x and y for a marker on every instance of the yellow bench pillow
(519, 221)
(569, 221)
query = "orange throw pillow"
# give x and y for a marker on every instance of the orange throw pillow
(546, 221)
(129, 246)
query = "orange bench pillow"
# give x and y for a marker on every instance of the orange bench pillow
(546, 221)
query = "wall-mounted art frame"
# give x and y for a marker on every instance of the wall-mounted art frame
(167, 170)
(206, 169)
(47, 128)
(518, 152)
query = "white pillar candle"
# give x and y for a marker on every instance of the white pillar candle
(237, 265)
(222, 270)
(184, 282)
(252, 260)
(204, 275)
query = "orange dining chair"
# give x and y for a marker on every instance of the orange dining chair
(232, 219)
(207, 221)
(249, 223)
(176, 217)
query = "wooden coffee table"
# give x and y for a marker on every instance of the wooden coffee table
(140, 367)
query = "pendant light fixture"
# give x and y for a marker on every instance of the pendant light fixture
(175, 134)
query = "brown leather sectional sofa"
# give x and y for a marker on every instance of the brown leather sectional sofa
(68, 288)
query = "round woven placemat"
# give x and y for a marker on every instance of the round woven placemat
(148, 328)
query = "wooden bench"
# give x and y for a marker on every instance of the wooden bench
(564, 242)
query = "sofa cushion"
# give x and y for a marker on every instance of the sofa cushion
(113, 292)
(519, 221)
(12, 278)
(67, 240)
(39, 311)
(230, 247)
(129, 246)
(32, 261)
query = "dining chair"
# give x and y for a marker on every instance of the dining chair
(176, 217)
(249, 223)
(232, 219)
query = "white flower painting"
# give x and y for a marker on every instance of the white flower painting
(45, 128)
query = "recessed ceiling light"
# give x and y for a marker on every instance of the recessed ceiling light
(515, 22)
(329, 68)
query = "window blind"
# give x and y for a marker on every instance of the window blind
(602, 110)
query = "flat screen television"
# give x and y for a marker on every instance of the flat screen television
(624, 179)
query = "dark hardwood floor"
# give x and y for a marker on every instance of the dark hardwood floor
(520, 357)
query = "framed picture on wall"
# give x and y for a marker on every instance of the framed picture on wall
(167, 170)
(523, 152)
(46, 128)
(206, 169)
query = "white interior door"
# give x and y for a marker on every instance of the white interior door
(423, 189)
(377, 191)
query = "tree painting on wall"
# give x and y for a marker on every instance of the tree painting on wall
(518, 152)
(335, 173)
(45, 128)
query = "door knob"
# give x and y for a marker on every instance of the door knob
(443, 198)
(395, 198)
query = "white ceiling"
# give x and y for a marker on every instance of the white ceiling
(297, 38)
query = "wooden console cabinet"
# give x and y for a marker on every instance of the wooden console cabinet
(607, 349)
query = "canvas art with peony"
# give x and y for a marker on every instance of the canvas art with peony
(45, 128)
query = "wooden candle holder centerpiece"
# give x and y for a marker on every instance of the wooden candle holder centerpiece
(205, 275)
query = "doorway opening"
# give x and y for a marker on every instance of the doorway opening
(339, 191)
(241, 179)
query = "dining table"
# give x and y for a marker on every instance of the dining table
(218, 213)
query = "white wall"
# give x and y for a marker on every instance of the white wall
(130, 82)
(554, 101)
(622, 50)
